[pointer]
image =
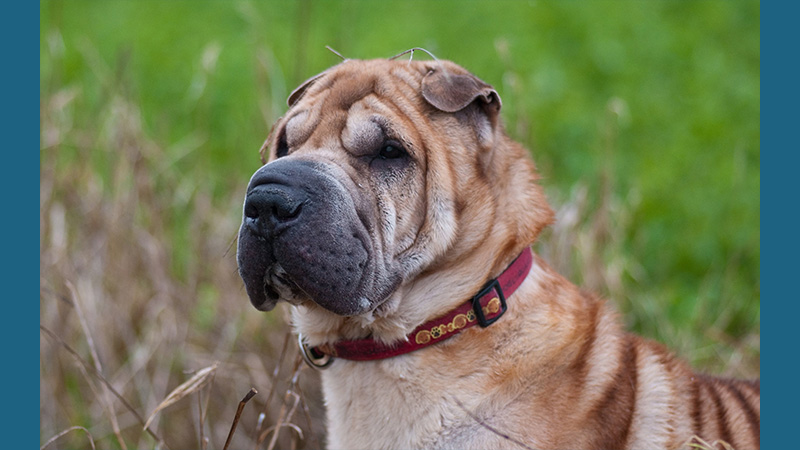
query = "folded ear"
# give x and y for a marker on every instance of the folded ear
(468, 97)
(450, 92)
(297, 93)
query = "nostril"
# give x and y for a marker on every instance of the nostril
(250, 210)
(286, 210)
(270, 205)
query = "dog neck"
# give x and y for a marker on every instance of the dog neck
(483, 309)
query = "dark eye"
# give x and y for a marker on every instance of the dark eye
(283, 147)
(391, 150)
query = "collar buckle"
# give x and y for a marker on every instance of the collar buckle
(479, 309)
(311, 356)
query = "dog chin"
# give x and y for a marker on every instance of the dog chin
(277, 287)
(352, 307)
(295, 289)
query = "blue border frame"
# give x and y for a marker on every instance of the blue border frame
(779, 243)
(20, 187)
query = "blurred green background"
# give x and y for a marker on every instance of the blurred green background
(643, 118)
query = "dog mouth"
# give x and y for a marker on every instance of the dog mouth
(277, 286)
(265, 280)
(339, 294)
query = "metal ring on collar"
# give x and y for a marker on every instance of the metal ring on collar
(308, 356)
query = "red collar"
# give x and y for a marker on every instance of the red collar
(483, 309)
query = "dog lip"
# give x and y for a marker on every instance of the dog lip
(265, 299)
(263, 302)
(265, 306)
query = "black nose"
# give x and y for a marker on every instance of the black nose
(271, 207)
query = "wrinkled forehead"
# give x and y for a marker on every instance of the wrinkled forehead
(360, 99)
(352, 80)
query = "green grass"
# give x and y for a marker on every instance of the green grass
(643, 118)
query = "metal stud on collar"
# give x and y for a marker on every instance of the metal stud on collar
(316, 362)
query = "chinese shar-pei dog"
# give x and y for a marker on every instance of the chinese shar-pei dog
(397, 217)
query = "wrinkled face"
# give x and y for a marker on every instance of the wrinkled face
(347, 209)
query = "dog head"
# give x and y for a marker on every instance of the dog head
(379, 172)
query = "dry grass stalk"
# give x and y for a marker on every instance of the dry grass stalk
(100, 376)
(201, 420)
(297, 429)
(701, 444)
(265, 412)
(55, 438)
(239, 410)
(284, 416)
(307, 414)
(490, 428)
(283, 421)
(203, 410)
(193, 384)
(106, 400)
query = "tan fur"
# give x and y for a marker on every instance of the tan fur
(557, 370)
